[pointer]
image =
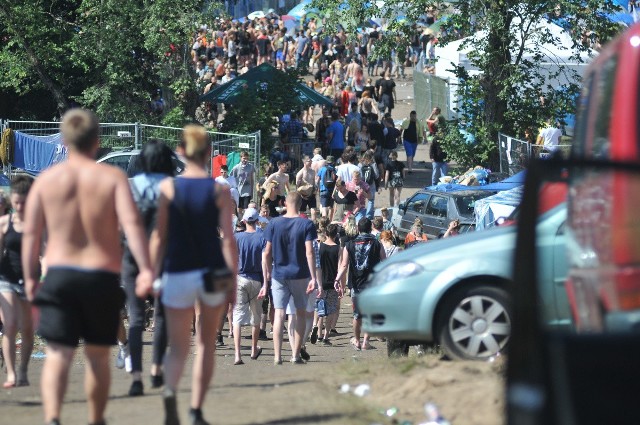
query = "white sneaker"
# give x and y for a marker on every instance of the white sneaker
(123, 353)
(128, 366)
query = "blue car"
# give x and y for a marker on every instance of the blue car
(453, 292)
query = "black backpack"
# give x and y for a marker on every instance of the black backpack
(147, 203)
(368, 174)
(329, 180)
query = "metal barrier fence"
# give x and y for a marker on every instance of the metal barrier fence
(515, 154)
(135, 135)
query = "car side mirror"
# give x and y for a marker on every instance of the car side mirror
(402, 207)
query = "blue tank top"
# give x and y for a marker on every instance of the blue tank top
(193, 225)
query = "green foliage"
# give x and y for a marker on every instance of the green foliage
(107, 55)
(461, 151)
(258, 110)
(514, 89)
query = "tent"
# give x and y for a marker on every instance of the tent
(512, 182)
(556, 54)
(259, 76)
(502, 204)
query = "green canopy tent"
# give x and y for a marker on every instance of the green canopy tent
(261, 76)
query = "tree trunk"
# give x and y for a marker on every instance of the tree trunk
(495, 78)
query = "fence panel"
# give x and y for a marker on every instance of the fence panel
(515, 154)
(135, 135)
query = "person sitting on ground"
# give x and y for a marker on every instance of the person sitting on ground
(453, 229)
(415, 235)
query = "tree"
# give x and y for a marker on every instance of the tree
(512, 91)
(107, 55)
(259, 109)
(34, 54)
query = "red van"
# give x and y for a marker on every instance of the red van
(604, 207)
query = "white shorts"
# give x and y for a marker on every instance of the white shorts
(182, 289)
(248, 308)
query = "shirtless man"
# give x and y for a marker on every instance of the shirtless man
(80, 204)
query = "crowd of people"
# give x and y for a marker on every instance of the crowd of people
(201, 250)
(336, 62)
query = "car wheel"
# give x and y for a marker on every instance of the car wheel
(474, 323)
(397, 348)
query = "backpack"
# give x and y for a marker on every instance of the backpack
(368, 174)
(147, 203)
(329, 180)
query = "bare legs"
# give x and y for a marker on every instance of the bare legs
(9, 311)
(97, 380)
(26, 332)
(54, 379)
(16, 315)
(204, 359)
(178, 326)
(255, 333)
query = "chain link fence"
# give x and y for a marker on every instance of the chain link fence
(515, 154)
(117, 136)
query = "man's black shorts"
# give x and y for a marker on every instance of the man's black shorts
(80, 303)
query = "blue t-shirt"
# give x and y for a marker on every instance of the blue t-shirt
(321, 175)
(337, 141)
(250, 246)
(288, 236)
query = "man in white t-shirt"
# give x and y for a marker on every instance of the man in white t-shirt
(549, 137)
(346, 169)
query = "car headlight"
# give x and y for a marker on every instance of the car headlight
(396, 271)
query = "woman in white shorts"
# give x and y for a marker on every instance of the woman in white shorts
(185, 247)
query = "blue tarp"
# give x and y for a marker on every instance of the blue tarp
(35, 153)
(506, 184)
(502, 204)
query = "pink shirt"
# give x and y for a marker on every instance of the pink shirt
(362, 200)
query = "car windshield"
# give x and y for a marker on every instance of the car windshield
(466, 203)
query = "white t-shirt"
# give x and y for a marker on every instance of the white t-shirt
(233, 186)
(551, 137)
(345, 171)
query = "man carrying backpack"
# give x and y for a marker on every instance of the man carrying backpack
(360, 255)
(326, 180)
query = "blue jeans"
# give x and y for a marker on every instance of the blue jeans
(369, 210)
(439, 170)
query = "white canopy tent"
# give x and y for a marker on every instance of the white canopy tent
(556, 55)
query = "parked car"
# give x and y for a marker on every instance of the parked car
(126, 160)
(437, 209)
(453, 291)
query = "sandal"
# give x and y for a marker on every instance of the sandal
(9, 384)
(238, 362)
(257, 354)
(367, 346)
(355, 343)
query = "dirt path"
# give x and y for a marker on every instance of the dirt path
(261, 393)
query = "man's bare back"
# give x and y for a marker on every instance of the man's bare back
(79, 202)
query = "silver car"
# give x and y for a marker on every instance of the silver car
(453, 291)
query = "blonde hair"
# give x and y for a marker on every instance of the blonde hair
(195, 141)
(350, 227)
(79, 129)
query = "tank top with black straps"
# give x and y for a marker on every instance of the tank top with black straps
(11, 263)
